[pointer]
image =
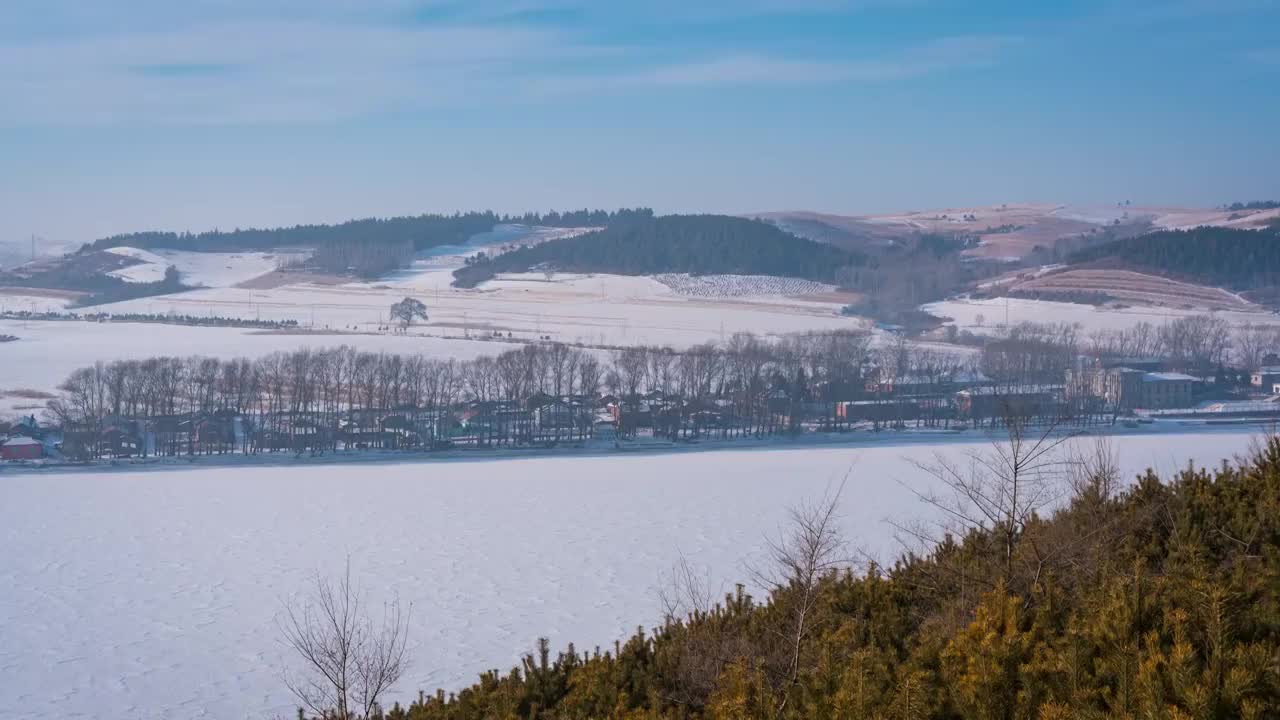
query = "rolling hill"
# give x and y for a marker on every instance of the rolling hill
(694, 244)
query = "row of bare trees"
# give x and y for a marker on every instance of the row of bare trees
(1041, 352)
(320, 400)
(302, 399)
(1197, 343)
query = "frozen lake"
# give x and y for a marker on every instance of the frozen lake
(150, 594)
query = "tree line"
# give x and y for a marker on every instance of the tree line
(545, 393)
(1241, 259)
(697, 244)
(324, 400)
(1153, 599)
(423, 231)
(161, 318)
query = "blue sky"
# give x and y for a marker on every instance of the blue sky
(202, 113)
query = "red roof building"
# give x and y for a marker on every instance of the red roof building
(21, 448)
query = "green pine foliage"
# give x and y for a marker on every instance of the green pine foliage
(1241, 259)
(1160, 603)
(368, 247)
(697, 244)
(422, 231)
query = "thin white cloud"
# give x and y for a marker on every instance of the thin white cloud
(1267, 57)
(229, 61)
(762, 70)
(261, 72)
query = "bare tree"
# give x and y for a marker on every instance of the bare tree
(809, 550)
(1003, 488)
(1253, 343)
(347, 659)
(1093, 472)
(685, 592)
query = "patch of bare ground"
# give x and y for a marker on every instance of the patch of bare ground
(281, 278)
(41, 292)
(1040, 231)
(1132, 287)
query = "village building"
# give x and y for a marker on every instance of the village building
(996, 402)
(1125, 388)
(21, 448)
(1265, 377)
(1166, 390)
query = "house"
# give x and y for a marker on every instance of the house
(559, 414)
(877, 410)
(604, 431)
(1145, 364)
(979, 403)
(499, 421)
(21, 448)
(1122, 387)
(1166, 390)
(1265, 377)
(1126, 388)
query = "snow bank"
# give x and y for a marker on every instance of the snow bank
(152, 594)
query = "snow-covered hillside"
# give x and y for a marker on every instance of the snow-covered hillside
(197, 269)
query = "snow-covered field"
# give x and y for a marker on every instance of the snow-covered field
(152, 594)
(198, 269)
(33, 300)
(590, 309)
(965, 314)
(722, 286)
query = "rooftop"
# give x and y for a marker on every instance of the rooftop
(1167, 377)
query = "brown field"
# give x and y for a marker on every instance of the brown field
(1132, 287)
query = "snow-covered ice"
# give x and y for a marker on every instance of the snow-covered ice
(152, 594)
